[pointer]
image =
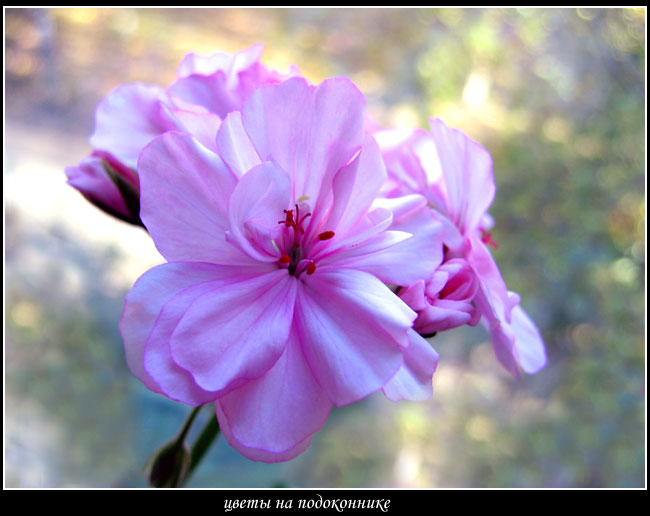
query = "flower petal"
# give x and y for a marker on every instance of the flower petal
(355, 187)
(413, 380)
(146, 299)
(184, 201)
(235, 148)
(279, 410)
(256, 206)
(351, 327)
(194, 63)
(256, 454)
(203, 126)
(236, 333)
(128, 118)
(174, 381)
(310, 131)
(467, 171)
(209, 91)
(529, 345)
(409, 251)
(94, 183)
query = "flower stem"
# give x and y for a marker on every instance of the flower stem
(203, 442)
(188, 424)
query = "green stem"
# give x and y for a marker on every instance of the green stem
(202, 443)
(188, 424)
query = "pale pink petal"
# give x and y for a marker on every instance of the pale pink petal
(194, 63)
(414, 296)
(400, 206)
(311, 131)
(355, 187)
(256, 454)
(351, 327)
(390, 254)
(235, 333)
(413, 380)
(280, 410)
(503, 343)
(146, 299)
(175, 382)
(203, 126)
(209, 91)
(405, 171)
(529, 345)
(467, 170)
(256, 206)
(445, 314)
(493, 300)
(128, 118)
(184, 201)
(235, 148)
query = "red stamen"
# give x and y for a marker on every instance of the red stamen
(486, 238)
(311, 268)
(326, 235)
(290, 222)
(285, 259)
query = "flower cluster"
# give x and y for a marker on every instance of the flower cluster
(307, 251)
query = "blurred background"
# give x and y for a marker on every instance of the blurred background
(558, 98)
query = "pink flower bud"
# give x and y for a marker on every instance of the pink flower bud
(107, 184)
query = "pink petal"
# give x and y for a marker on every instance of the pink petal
(203, 126)
(256, 206)
(92, 180)
(175, 382)
(492, 298)
(355, 187)
(128, 118)
(529, 345)
(467, 171)
(351, 327)
(310, 131)
(209, 91)
(413, 380)
(256, 454)
(235, 148)
(236, 333)
(405, 170)
(184, 201)
(278, 411)
(194, 63)
(444, 315)
(146, 299)
(406, 253)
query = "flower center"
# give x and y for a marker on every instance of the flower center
(293, 258)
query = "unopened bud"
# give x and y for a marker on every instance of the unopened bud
(170, 465)
(109, 185)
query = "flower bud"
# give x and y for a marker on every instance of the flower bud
(109, 185)
(170, 465)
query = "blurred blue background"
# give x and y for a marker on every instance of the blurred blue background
(557, 96)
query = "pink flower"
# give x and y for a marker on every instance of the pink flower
(273, 304)
(134, 114)
(454, 173)
(221, 82)
(445, 300)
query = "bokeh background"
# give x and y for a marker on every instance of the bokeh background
(557, 96)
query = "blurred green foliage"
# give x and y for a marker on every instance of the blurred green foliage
(556, 95)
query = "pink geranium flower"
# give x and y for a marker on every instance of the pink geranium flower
(133, 114)
(273, 303)
(454, 173)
